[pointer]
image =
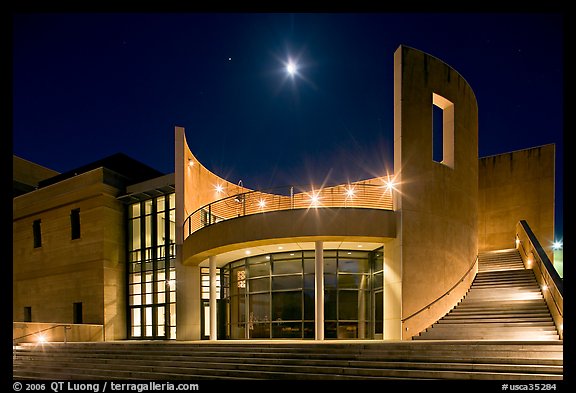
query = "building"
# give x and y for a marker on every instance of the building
(189, 255)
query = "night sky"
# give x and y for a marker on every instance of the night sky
(89, 85)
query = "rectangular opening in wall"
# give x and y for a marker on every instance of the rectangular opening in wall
(442, 130)
(28, 314)
(77, 312)
(75, 223)
(37, 231)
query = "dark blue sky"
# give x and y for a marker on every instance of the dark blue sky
(89, 85)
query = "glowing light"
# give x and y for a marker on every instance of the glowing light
(390, 185)
(190, 163)
(262, 203)
(248, 252)
(41, 338)
(544, 287)
(557, 245)
(350, 192)
(314, 200)
(219, 188)
(280, 247)
(291, 68)
(517, 242)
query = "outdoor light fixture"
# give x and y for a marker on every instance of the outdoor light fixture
(350, 192)
(557, 245)
(219, 188)
(41, 339)
(262, 203)
(190, 163)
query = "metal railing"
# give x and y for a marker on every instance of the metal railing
(65, 326)
(552, 284)
(356, 195)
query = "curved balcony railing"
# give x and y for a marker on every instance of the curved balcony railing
(356, 195)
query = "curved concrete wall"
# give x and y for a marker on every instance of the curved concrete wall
(437, 201)
(327, 224)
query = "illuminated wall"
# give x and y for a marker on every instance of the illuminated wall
(437, 199)
(517, 186)
(59, 271)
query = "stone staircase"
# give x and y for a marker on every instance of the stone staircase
(290, 360)
(501, 330)
(504, 302)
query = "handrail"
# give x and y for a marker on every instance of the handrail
(357, 195)
(66, 326)
(445, 293)
(558, 282)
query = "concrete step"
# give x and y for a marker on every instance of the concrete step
(394, 360)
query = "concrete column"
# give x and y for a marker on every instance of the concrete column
(187, 301)
(213, 330)
(319, 298)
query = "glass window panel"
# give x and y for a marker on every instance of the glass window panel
(347, 305)
(160, 203)
(309, 254)
(136, 331)
(173, 314)
(148, 231)
(309, 281)
(135, 278)
(287, 306)
(160, 286)
(259, 270)
(160, 316)
(347, 330)
(134, 210)
(259, 284)
(172, 274)
(160, 228)
(161, 297)
(287, 330)
(148, 206)
(238, 331)
(149, 298)
(287, 267)
(287, 255)
(135, 289)
(330, 265)
(172, 200)
(330, 304)
(260, 307)
(286, 282)
(309, 330)
(378, 280)
(330, 254)
(173, 332)
(172, 234)
(309, 305)
(260, 330)
(343, 254)
(309, 266)
(161, 276)
(354, 266)
(136, 300)
(329, 281)
(135, 234)
(148, 330)
(161, 330)
(349, 281)
(173, 296)
(258, 259)
(135, 256)
(330, 329)
(237, 310)
(379, 261)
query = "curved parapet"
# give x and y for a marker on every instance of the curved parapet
(438, 198)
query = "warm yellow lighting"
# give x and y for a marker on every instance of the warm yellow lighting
(517, 242)
(248, 252)
(390, 185)
(41, 338)
(280, 247)
(219, 188)
(350, 192)
(262, 203)
(314, 200)
(190, 163)
(544, 287)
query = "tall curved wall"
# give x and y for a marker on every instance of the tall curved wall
(437, 201)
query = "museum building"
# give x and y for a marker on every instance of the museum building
(127, 252)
